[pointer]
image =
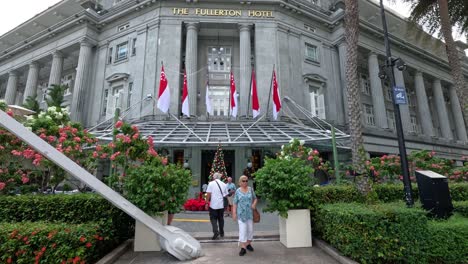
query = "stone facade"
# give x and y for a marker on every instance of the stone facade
(111, 55)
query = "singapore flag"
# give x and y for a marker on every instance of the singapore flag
(164, 97)
(233, 97)
(276, 97)
(185, 101)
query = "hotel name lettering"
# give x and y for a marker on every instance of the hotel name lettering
(220, 12)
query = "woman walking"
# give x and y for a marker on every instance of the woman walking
(244, 202)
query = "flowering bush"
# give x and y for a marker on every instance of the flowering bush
(21, 165)
(41, 242)
(196, 204)
(388, 167)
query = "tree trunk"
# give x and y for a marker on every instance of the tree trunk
(453, 58)
(354, 95)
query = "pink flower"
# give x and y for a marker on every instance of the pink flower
(118, 124)
(150, 141)
(62, 139)
(372, 168)
(310, 158)
(316, 152)
(152, 152)
(42, 136)
(95, 154)
(10, 112)
(115, 155)
(77, 139)
(111, 145)
(2, 185)
(164, 161)
(16, 153)
(24, 179)
(135, 136)
(51, 139)
(103, 155)
(98, 147)
(135, 129)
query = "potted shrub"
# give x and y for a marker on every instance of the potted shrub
(155, 188)
(285, 182)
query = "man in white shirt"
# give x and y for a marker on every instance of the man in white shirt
(216, 191)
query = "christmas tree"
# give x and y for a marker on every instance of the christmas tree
(218, 165)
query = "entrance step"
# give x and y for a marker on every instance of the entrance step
(229, 237)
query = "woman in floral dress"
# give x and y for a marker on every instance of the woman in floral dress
(245, 201)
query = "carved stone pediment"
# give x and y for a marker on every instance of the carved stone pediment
(119, 76)
(315, 80)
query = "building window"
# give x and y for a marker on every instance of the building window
(130, 91)
(317, 102)
(369, 115)
(121, 51)
(104, 101)
(123, 27)
(311, 52)
(219, 59)
(220, 97)
(134, 47)
(391, 120)
(365, 84)
(388, 92)
(414, 124)
(410, 98)
(109, 58)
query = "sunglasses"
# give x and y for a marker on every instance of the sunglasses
(245, 181)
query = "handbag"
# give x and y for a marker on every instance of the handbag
(256, 213)
(225, 200)
(256, 216)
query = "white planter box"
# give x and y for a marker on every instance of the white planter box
(295, 231)
(145, 238)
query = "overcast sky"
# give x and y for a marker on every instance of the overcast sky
(15, 12)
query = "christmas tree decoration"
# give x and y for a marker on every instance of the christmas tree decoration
(218, 165)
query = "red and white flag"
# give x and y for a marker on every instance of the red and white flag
(255, 103)
(164, 96)
(233, 97)
(185, 99)
(208, 99)
(276, 97)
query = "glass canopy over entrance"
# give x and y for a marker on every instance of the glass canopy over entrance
(239, 133)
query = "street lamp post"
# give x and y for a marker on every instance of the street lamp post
(389, 64)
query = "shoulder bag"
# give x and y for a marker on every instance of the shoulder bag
(225, 200)
(256, 213)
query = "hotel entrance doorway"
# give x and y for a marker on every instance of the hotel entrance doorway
(207, 163)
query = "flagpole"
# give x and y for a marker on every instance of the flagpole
(207, 89)
(250, 94)
(269, 95)
(229, 109)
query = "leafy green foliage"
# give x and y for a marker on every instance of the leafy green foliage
(427, 13)
(461, 207)
(385, 233)
(448, 240)
(55, 95)
(285, 184)
(42, 242)
(155, 187)
(32, 104)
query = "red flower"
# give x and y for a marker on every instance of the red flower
(2, 185)
(88, 245)
(10, 112)
(24, 179)
(82, 239)
(76, 259)
(9, 260)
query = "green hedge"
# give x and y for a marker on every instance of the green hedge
(461, 208)
(41, 242)
(448, 240)
(73, 209)
(386, 233)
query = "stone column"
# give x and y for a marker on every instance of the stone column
(56, 68)
(342, 51)
(82, 75)
(191, 65)
(380, 113)
(458, 115)
(31, 82)
(245, 67)
(404, 108)
(10, 93)
(441, 110)
(423, 106)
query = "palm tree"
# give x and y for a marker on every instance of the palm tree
(55, 95)
(352, 85)
(32, 104)
(443, 15)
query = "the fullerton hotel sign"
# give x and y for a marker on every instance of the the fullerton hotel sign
(220, 12)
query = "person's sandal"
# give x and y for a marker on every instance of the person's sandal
(242, 252)
(250, 248)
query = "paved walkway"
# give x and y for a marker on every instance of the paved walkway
(218, 253)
